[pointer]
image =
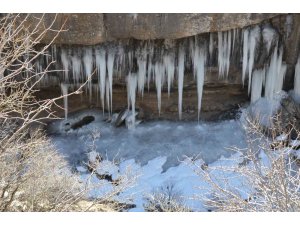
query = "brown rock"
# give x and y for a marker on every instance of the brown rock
(94, 28)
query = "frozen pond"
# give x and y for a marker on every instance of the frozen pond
(173, 140)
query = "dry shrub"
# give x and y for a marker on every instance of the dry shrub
(263, 184)
(33, 175)
(166, 199)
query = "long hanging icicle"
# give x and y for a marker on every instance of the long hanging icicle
(180, 79)
(131, 93)
(142, 63)
(169, 62)
(297, 78)
(211, 46)
(110, 68)
(224, 50)
(107, 90)
(245, 54)
(268, 34)
(233, 40)
(101, 68)
(281, 71)
(253, 39)
(192, 49)
(65, 64)
(149, 74)
(64, 90)
(120, 59)
(88, 68)
(159, 73)
(257, 84)
(228, 52)
(150, 65)
(76, 68)
(199, 69)
(275, 74)
(220, 53)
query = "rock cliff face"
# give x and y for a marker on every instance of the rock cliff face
(91, 29)
(88, 34)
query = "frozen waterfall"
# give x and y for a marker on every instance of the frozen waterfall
(163, 65)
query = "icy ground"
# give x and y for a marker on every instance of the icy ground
(173, 140)
(155, 152)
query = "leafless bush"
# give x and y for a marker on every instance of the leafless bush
(265, 177)
(166, 199)
(33, 176)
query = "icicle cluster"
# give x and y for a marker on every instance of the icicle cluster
(275, 74)
(270, 78)
(167, 64)
(224, 50)
(251, 37)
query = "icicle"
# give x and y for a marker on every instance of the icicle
(150, 65)
(245, 54)
(130, 60)
(224, 49)
(191, 49)
(233, 40)
(131, 93)
(254, 37)
(142, 63)
(180, 79)
(121, 58)
(199, 67)
(101, 68)
(220, 53)
(275, 74)
(169, 63)
(268, 37)
(64, 90)
(297, 78)
(257, 84)
(110, 68)
(281, 71)
(76, 68)
(228, 51)
(288, 25)
(211, 46)
(149, 74)
(65, 64)
(159, 73)
(88, 68)
(107, 89)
